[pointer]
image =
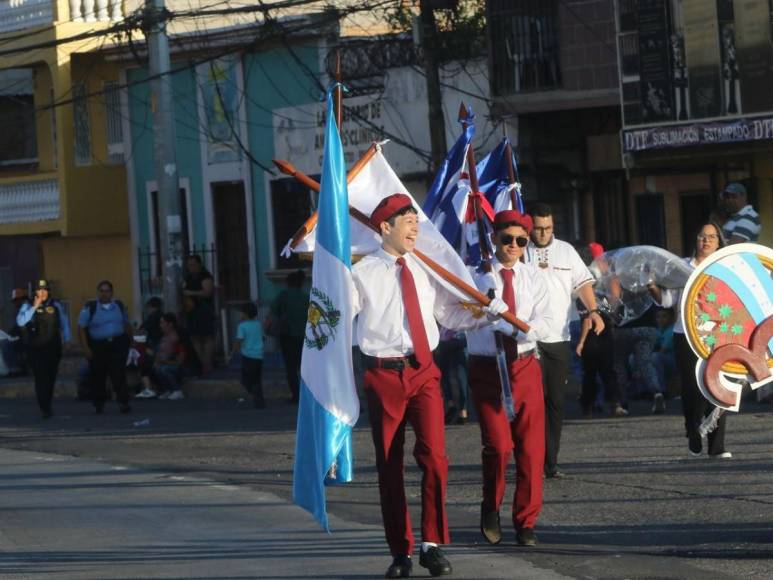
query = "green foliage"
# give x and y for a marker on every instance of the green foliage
(461, 32)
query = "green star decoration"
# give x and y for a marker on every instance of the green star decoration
(711, 340)
(723, 327)
(737, 329)
(705, 317)
(711, 297)
(725, 311)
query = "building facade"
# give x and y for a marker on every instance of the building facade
(697, 87)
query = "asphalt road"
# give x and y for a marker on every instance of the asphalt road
(632, 505)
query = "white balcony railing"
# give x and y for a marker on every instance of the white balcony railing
(96, 10)
(29, 201)
(20, 14)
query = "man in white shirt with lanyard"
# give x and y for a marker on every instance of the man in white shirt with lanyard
(525, 292)
(566, 276)
(397, 302)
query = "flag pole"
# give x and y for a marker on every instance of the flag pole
(485, 249)
(512, 175)
(289, 169)
(455, 281)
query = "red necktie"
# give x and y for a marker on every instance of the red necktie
(508, 295)
(413, 312)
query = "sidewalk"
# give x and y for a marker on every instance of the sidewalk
(67, 517)
(223, 383)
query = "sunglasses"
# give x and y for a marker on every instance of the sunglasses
(507, 239)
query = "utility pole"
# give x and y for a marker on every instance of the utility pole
(170, 224)
(437, 126)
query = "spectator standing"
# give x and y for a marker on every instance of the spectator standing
(566, 276)
(199, 287)
(44, 327)
(13, 350)
(694, 405)
(151, 326)
(743, 225)
(451, 358)
(289, 312)
(106, 334)
(663, 355)
(597, 350)
(249, 342)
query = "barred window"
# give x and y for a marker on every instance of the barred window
(112, 97)
(524, 45)
(82, 126)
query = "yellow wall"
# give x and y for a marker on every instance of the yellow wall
(76, 265)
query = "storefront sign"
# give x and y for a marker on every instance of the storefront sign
(693, 134)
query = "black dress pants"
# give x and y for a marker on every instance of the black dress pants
(44, 362)
(555, 359)
(694, 405)
(292, 349)
(598, 360)
(109, 359)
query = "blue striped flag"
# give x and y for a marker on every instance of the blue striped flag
(329, 406)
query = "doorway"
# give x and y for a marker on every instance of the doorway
(231, 241)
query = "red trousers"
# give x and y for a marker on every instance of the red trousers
(499, 436)
(395, 397)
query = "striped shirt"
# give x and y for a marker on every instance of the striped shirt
(744, 224)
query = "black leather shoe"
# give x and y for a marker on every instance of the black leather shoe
(401, 567)
(490, 527)
(526, 537)
(434, 561)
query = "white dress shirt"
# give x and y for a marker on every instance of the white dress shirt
(382, 325)
(672, 298)
(532, 305)
(565, 273)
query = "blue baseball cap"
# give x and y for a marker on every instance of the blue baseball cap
(734, 188)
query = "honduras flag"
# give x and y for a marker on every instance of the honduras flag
(446, 203)
(494, 178)
(329, 406)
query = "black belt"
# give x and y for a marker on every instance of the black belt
(521, 355)
(109, 339)
(393, 363)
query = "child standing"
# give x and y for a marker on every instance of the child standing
(249, 342)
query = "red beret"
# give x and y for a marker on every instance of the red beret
(510, 216)
(388, 207)
(596, 249)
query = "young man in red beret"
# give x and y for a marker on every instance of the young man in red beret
(523, 289)
(397, 302)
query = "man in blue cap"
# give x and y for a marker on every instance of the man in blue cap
(743, 225)
(44, 327)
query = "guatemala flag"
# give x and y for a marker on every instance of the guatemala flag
(329, 406)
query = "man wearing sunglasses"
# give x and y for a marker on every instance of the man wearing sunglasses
(566, 276)
(523, 289)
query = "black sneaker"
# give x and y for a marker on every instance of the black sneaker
(695, 445)
(553, 473)
(526, 537)
(490, 526)
(400, 568)
(434, 561)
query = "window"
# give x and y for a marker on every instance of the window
(81, 123)
(113, 118)
(524, 41)
(18, 144)
(291, 204)
(651, 219)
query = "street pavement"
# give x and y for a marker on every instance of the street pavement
(96, 497)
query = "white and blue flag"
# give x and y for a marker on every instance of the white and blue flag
(329, 406)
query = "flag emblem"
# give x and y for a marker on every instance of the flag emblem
(322, 321)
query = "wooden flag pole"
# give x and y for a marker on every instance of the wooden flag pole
(485, 252)
(452, 279)
(289, 169)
